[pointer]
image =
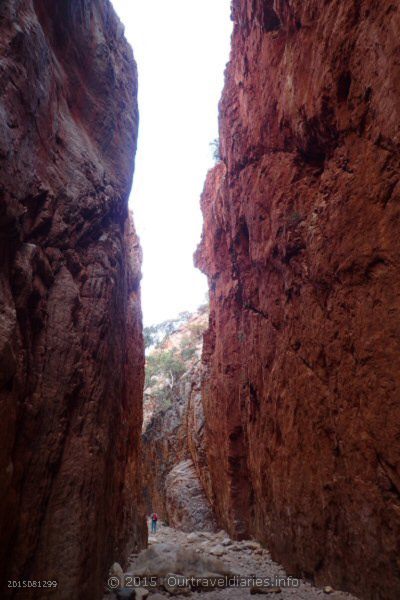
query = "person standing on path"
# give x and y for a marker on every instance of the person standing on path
(154, 519)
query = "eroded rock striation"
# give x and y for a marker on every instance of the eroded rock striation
(176, 480)
(301, 249)
(186, 504)
(164, 443)
(71, 346)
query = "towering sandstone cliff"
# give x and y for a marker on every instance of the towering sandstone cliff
(71, 349)
(301, 246)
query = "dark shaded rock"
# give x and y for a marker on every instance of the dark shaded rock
(126, 594)
(71, 349)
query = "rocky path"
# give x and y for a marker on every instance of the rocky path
(211, 559)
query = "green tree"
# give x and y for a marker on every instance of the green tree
(166, 364)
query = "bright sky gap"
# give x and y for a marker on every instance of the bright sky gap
(181, 48)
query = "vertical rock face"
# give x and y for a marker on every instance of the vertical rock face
(195, 428)
(71, 348)
(176, 480)
(301, 248)
(164, 445)
(186, 504)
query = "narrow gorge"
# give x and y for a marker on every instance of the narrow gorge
(264, 428)
(175, 469)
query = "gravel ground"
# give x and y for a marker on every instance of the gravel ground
(245, 558)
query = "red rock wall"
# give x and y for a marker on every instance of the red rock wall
(176, 479)
(301, 246)
(71, 348)
(164, 444)
(195, 426)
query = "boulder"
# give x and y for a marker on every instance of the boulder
(193, 537)
(116, 571)
(217, 550)
(187, 506)
(126, 594)
(226, 542)
(161, 559)
(176, 585)
(265, 590)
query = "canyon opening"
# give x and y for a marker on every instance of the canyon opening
(227, 431)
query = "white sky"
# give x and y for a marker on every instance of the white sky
(181, 48)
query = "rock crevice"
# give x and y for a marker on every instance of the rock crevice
(176, 479)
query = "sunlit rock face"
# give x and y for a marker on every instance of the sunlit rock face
(301, 245)
(71, 349)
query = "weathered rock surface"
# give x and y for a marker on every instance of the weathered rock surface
(187, 507)
(71, 349)
(164, 445)
(194, 559)
(176, 479)
(301, 248)
(195, 427)
(175, 472)
(161, 559)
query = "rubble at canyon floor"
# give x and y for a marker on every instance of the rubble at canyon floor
(200, 554)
